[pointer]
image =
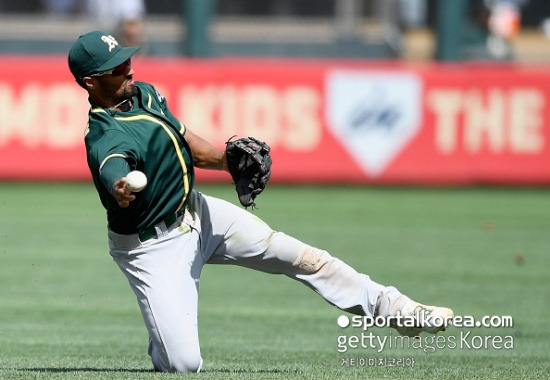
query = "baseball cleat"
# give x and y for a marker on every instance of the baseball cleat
(418, 318)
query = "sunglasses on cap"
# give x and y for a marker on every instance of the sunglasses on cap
(117, 71)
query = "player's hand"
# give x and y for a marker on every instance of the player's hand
(122, 195)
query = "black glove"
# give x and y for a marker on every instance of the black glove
(249, 164)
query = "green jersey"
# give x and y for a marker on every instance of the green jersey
(146, 138)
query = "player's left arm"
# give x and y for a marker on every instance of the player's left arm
(205, 155)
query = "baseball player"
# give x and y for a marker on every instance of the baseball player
(162, 236)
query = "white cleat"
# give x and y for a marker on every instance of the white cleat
(418, 318)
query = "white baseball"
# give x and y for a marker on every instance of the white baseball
(136, 181)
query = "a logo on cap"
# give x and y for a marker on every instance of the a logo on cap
(109, 40)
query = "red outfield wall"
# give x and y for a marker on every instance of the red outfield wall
(327, 121)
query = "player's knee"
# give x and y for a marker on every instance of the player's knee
(186, 364)
(313, 259)
(181, 363)
(302, 257)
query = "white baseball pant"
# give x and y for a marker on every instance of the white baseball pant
(164, 272)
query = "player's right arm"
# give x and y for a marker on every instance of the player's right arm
(113, 177)
(110, 158)
(122, 195)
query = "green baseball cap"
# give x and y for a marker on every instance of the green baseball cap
(95, 52)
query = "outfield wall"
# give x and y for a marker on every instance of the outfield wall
(327, 121)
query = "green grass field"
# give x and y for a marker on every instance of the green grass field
(66, 312)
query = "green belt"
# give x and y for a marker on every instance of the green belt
(151, 232)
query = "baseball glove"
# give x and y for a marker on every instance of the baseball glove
(249, 164)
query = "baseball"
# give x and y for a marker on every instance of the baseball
(136, 181)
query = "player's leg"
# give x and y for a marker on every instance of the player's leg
(250, 242)
(247, 241)
(164, 275)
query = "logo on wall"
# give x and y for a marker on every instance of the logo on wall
(373, 114)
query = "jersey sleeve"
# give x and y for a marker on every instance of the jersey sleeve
(112, 157)
(182, 127)
(113, 170)
(163, 104)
